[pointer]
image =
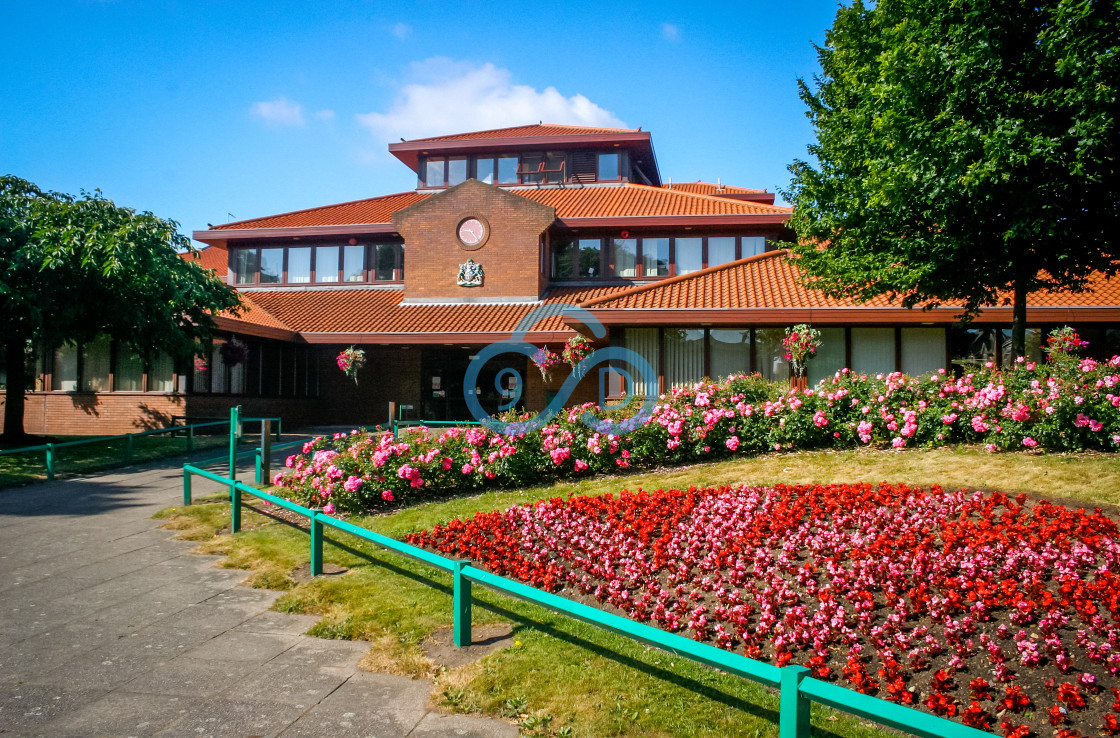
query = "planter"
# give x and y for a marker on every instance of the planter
(799, 383)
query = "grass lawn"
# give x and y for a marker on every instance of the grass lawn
(562, 677)
(26, 467)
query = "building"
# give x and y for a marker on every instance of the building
(502, 222)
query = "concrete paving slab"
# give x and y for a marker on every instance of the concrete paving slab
(115, 628)
(124, 714)
(434, 725)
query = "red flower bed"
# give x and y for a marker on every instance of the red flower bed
(984, 608)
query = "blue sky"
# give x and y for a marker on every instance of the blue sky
(198, 110)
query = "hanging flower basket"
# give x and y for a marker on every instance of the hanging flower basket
(801, 344)
(545, 360)
(234, 352)
(350, 361)
(576, 352)
(200, 364)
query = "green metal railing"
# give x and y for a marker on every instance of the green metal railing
(51, 449)
(430, 424)
(797, 690)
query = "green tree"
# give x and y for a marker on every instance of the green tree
(965, 152)
(72, 268)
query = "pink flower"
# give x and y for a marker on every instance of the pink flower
(353, 484)
(732, 443)
(328, 508)
(1029, 442)
(580, 465)
(467, 468)
(387, 495)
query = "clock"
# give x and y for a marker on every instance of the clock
(472, 233)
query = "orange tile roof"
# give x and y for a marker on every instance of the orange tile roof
(381, 311)
(369, 210)
(210, 258)
(710, 188)
(530, 131)
(634, 200)
(771, 280)
(628, 200)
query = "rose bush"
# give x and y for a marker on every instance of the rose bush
(1071, 406)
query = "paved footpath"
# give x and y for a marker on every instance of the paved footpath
(110, 627)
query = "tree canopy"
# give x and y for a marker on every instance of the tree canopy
(965, 152)
(72, 268)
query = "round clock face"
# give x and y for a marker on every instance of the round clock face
(472, 232)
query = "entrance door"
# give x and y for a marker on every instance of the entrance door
(442, 373)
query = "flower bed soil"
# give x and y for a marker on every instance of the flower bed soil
(1001, 613)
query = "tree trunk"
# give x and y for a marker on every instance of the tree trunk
(1019, 322)
(16, 364)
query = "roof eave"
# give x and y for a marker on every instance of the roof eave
(671, 220)
(236, 234)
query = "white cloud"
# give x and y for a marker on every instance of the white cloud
(279, 112)
(326, 114)
(670, 32)
(450, 97)
(402, 31)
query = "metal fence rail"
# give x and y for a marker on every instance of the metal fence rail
(51, 449)
(797, 690)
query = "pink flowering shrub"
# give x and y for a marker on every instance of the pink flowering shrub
(1069, 407)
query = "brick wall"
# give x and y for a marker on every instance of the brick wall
(510, 256)
(92, 414)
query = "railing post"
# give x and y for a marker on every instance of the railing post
(279, 423)
(190, 439)
(128, 448)
(235, 509)
(316, 544)
(258, 466)
(234, 428)
(50, 461)
(461, 604)
(793, 713)
(186, 486)
(265, 474)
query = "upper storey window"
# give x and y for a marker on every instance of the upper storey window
(323, 264)
(649, 257)
(528, 168)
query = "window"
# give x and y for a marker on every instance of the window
(644, 342)
(689, 255)
(1033, 341)
(562, 251)
(684, 356)
(721, 249)
(129, 373)
(829, 358)
(384, 261)
(873, 350)
(973, 346)
(530, 169)
(433, 172)
(272, 266)
(625, 252)
(507, 169)
(245, 264)
(923, 350)
(299, 265)
(95, 364)
(753, 246)
(484, 169)
(326, 263)
(554, 165)
(770, 354)
(66, 368)
(354, 264)
(456, 170)
(655, 257)
(731, 351)
(589, 257)
(608, 167)
(161, 374)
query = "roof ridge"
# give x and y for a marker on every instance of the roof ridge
(225, 226)
(671, 185)
(637, 289)
(540, 124)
